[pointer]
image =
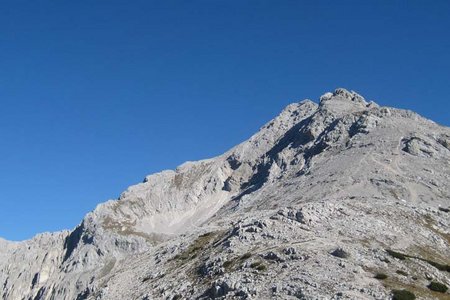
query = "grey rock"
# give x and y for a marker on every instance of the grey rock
(342, 172)
(339, 252)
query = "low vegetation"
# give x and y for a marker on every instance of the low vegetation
(261, 268)
(402, 295)
(437, 287)
(380, 276)
(396, 254)
(227, 264)
(194, 249)
(438, 266)
(402, 256)
(246, 256)
(258, 266)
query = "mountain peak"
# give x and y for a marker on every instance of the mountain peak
(341, 94)
(342, 101)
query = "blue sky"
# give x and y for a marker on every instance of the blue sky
(94, 95)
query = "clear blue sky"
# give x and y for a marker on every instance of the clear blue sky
(94, 95)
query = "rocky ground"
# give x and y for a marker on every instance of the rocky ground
(338, 200)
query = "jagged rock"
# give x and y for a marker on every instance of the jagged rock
(272, 256)
(218, 289)
(445, 141)
(342, 172)
(290, 251)
(339, 252)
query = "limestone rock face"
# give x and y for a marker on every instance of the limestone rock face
(304, 209)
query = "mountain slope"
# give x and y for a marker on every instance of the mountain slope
(306, 208)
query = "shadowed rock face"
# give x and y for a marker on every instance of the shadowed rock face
(265, 219)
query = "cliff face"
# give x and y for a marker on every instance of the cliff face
(305, 208)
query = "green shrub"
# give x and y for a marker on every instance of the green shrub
(380, 276)
(402, 256)
(437, 287)
(261, 267)
(246, 256)
(195, 248)
(402, 295)
(438, 266)
(227, 264)
(395, 254)
(400, 272)
(206, 234)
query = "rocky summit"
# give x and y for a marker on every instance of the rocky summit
(338, 200)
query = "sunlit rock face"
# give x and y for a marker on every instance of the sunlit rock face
(304, 209)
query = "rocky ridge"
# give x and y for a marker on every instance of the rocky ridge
(307, 208)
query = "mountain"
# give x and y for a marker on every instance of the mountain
(319, 202)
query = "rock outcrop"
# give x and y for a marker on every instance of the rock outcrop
(305, 209)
